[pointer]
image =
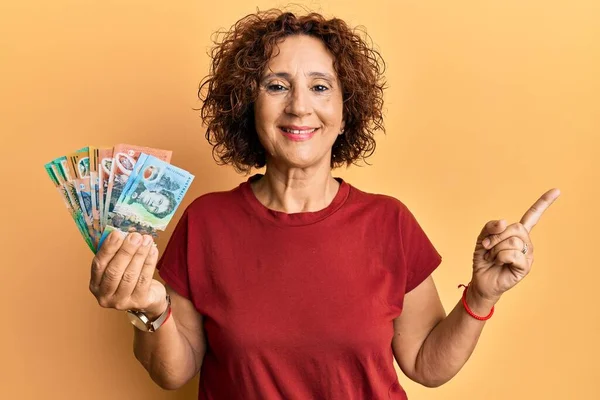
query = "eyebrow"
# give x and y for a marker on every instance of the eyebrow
(287, 76)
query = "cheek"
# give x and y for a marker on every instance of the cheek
(266, 108)
(331, 114)
(330, 109)
(266, 114)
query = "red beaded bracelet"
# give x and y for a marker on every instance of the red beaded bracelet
(471, 313)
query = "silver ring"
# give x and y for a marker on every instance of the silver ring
(525, 248)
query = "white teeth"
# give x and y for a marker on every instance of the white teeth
(298, 132)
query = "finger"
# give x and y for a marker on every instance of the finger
(140, 292)
(116, 267)
(517, 229)
(515, 259)
(533, 215)
(132, 273)
(106, 253)
(491, 228)
(511, 243)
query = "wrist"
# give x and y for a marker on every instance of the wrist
(156, 310)
(149, 320)
(478, 303)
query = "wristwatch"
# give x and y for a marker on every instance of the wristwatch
(143, 323)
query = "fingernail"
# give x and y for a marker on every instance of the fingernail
(135, 238)
(486, 242)
(153, 250)
(111, 238)
(147, 240)
(115, 236)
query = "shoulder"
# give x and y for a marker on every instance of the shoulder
(386, 204)
(216, 203)
(211, 200)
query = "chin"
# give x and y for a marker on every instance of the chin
(301, 162)
(297, 163)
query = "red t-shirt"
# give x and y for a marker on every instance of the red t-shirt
(298, 306)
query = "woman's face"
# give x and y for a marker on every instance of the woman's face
(299, 108)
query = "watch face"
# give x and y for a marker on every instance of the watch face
(137, 322)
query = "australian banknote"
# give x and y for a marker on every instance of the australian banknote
(125, 157)
(79, 169)
(155, 190)
(105, 164)
(67, 193)
(142, 189)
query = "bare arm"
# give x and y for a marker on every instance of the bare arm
(173, 354)
(429, 346)
(122, 278)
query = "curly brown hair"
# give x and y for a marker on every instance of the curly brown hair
(239, 60)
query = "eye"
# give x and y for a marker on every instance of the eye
(322, 88)
(275, 88)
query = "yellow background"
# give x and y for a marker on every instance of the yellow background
(490, 103)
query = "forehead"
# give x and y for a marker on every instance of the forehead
(301, 52)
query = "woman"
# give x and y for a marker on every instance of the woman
(296, 285)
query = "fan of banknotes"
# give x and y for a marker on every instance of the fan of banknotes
(128, 188)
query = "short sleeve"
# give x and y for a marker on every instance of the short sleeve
(420, 256)
(173, 265)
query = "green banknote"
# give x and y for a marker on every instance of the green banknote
(57, 176)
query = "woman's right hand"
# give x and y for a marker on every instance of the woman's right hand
(122, 275)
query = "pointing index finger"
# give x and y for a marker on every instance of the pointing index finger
(533, 215)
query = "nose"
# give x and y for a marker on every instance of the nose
(299, 102)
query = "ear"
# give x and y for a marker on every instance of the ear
(342, 128)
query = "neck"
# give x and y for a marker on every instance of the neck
(293, 190)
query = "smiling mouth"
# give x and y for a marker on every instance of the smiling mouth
(298, 131)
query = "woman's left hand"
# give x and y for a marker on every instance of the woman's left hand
(504, 254)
